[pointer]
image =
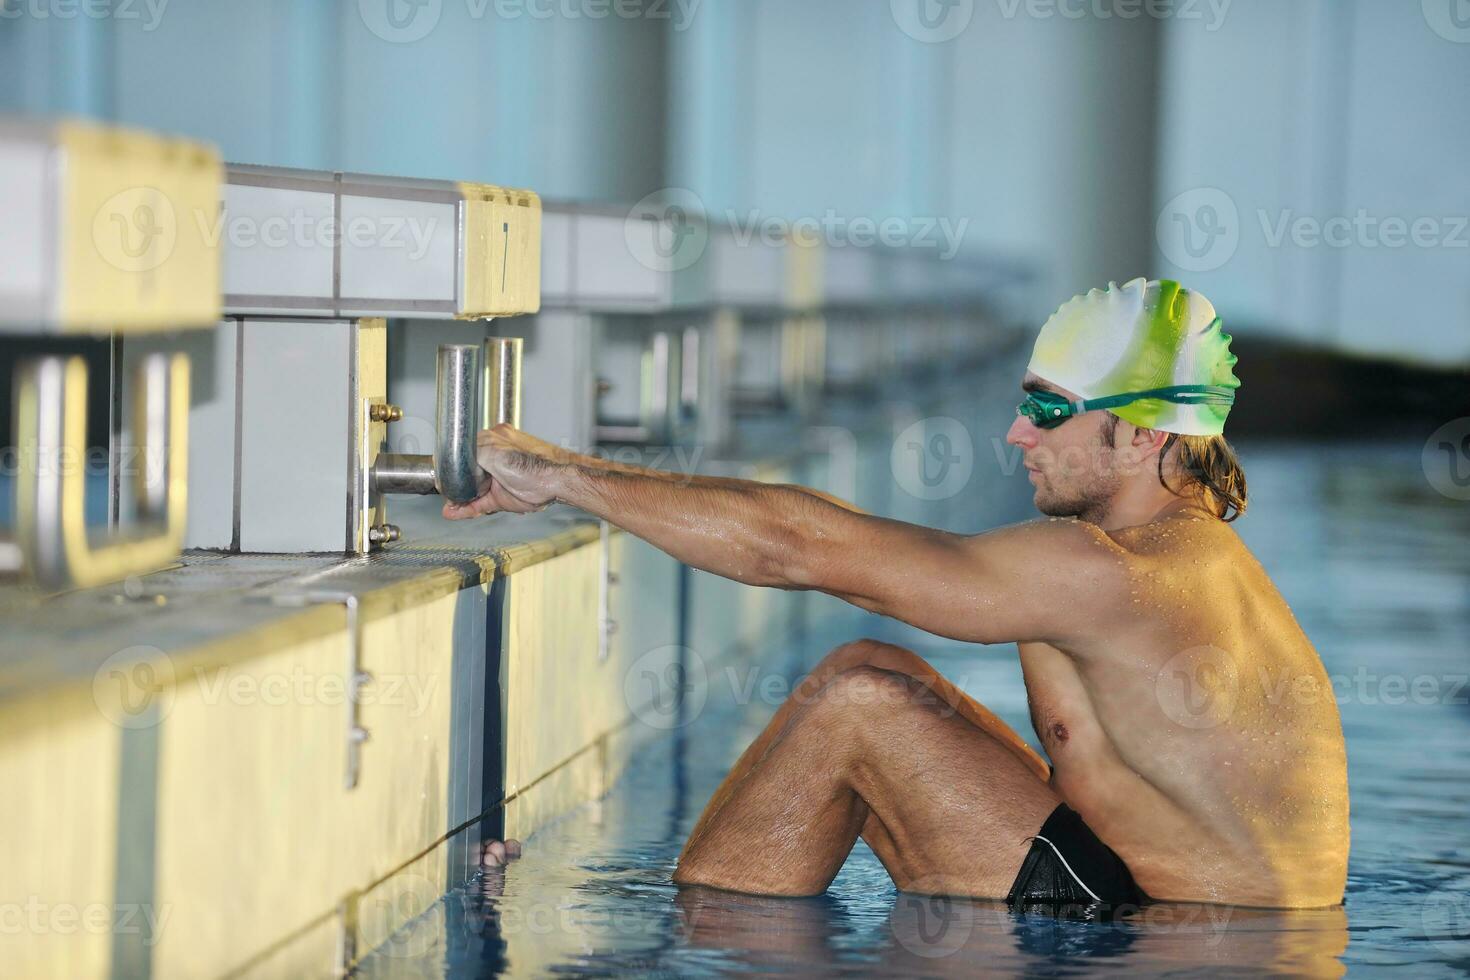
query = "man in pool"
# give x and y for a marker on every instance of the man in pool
(1195, 751)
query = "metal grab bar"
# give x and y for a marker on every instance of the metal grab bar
(51, 434)
(464, 399)
(456, 412)
(502, 382)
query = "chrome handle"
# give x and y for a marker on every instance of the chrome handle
(502, 382)
(457, 408)
(464, 395)
(51, 432)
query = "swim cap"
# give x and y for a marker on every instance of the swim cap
(1142, 335)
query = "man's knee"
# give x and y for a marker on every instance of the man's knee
(866, 653)
(863, 698)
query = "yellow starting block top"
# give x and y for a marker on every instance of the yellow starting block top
(106, 229)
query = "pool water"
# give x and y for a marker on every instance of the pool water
(1376, 566)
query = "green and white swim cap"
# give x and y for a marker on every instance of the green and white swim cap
(1142, 335)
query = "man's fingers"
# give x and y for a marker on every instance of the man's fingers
(475, 508)
(496, 499)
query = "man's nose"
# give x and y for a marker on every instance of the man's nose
(1022, 433)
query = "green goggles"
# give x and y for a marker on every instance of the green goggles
(1047, 410)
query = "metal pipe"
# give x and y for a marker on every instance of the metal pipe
(464, 395)
(455, 414)
(399, 473)
(151, 419)
(502, 382)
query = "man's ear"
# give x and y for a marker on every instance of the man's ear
(1147, 442)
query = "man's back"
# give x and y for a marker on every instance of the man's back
(1197, 730)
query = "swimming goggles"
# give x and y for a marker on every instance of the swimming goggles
(1047, 410)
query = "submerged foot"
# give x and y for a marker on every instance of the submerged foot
(497, 853)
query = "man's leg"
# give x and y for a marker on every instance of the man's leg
(887, 656)
(945, 803)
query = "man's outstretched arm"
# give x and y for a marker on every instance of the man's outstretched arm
(1046, 580)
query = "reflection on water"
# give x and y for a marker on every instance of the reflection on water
(1376, 567)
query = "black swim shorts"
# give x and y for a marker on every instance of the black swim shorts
(1069, 871)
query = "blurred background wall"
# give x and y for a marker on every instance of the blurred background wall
(1302, 162)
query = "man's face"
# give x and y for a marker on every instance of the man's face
(1073, 466)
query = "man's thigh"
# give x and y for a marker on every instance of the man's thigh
(952, 805)
(900, 660)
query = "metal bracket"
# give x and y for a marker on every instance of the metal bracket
(606, 579)
(357, 678)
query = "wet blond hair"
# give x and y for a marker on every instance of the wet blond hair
(1209, 466)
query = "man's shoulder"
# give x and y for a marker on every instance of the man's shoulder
(1064, 557)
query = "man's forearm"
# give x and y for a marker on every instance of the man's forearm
(756, 533)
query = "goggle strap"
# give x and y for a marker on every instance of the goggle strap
(1178, 395)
